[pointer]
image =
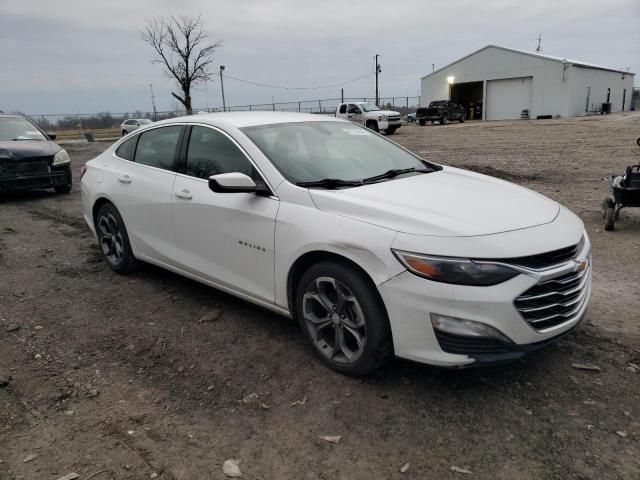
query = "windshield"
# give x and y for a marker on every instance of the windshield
(314, 151)
(439, 103)
(144, 121)
(369, 107)
(14, 128)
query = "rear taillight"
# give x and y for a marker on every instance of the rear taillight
(83, 170)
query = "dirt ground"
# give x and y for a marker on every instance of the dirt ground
(119, 377)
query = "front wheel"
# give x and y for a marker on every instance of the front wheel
(422, 122)
(462, 117)
(391, 130)
(114, 240)
(124, 132)
(373, 126)
(343, 318)
(444, 120)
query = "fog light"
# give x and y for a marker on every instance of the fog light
(466, 328)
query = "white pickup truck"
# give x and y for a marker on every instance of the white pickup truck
(370, 116)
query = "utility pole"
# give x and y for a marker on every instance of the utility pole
(224, 105)
(153, 103)
(342, 94)
(433, 67)
(378, 70)
(539, 49)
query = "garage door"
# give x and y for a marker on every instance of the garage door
(507, 98)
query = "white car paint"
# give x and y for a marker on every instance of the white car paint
(246, 244)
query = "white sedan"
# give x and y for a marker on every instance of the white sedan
(375, 251)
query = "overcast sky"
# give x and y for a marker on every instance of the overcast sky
(82, 56)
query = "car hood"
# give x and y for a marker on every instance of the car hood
(448, 203)
(15, 150)
(385, 112)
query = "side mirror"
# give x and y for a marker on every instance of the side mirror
(51, 135)
(236, 182)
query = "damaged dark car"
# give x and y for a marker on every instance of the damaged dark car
(29, 159)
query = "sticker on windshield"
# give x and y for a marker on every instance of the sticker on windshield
(356, 131)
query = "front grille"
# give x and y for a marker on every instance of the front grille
(394, 119)
(25, 167)
(548, 259)
(556, 301)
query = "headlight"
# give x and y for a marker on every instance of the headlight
(459, 271)
(382, 118)
(61, 158)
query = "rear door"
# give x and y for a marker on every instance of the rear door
(143, 168)
(226, 238)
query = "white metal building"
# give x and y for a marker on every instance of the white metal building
(497, 83)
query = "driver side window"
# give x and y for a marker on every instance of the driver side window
(211, 153)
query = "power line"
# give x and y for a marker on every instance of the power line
(296, 88)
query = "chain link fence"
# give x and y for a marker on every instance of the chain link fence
(108, 120)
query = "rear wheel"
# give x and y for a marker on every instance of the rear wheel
(343, 318)
(444, 119)
(373, 126)
(462, 117)
(609, 214)
(124, 132)
(114, 240)
(422, 122)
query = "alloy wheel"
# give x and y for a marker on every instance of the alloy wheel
(111, 239)
(335, 320)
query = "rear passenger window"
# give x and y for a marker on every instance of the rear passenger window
(127, 148)
(157, 147)
(210, 153)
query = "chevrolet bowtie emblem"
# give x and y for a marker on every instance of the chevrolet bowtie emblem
(581, 264)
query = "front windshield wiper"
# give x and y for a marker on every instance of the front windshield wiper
(394, 172)
(330, 183)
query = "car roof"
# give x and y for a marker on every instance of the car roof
(250, 119)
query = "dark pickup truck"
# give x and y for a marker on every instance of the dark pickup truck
(440, 111)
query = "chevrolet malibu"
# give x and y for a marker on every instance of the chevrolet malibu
(373, 250)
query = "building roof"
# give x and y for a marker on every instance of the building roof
(538, 55)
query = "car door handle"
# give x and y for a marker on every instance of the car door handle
(186, 194)
(124, 179)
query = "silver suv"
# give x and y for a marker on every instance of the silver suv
(132, 124)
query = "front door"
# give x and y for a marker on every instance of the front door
(354, 113)
(227, 238)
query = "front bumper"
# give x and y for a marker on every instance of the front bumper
(57, 175)
(410, 300)
(386, 124)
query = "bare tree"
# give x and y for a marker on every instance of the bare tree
(183, 47)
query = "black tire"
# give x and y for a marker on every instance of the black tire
(373, 126)
(114, 240)
(462, 117)
(609, 219)
(391, 131)
(422, 122)
(124, 132)
(444, 119)
(62, 188)
(361, 313)
(638, 141)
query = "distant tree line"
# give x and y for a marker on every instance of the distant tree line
(94, 122)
